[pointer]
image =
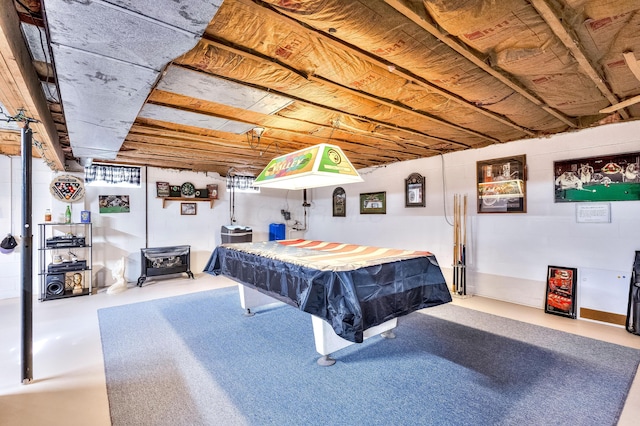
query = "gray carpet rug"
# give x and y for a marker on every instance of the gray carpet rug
(196, 360)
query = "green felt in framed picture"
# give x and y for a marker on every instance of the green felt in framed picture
(594, 179)
(373, 203)
(114, 204)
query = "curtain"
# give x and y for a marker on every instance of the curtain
(112, 174)
(242, 183)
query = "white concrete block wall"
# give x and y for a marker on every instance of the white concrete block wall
(508, 254)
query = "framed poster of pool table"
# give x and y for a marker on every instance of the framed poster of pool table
(603, 178)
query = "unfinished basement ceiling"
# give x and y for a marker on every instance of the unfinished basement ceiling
(183, 84)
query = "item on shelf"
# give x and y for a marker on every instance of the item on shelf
(163, 189)
(188, 190)
(47, 215)
(77, 283)
(85, 216)
(61, 266)
(62, 241)
(202, 193)
(212, 189)
(67, 215)
(54, 285)
(174, 191)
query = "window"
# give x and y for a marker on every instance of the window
(242, 184)
(112, 175)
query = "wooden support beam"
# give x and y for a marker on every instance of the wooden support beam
(632, 63)
(620, 105)
(20, 87)
(558, 28)
(191, 146)
(400, 6)
(634, 66)
(404, 109)
(450, 97)
(243, 54)
(281, 123)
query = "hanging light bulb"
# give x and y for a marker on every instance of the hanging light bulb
(256, 135)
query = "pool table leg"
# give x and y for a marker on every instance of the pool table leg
(251, 298)
(389, 334)
(326, 361)
(327, 341)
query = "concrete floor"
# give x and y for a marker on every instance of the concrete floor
(68, 386)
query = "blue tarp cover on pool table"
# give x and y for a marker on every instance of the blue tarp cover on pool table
(353, 287)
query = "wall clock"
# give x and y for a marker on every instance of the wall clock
(67, 188)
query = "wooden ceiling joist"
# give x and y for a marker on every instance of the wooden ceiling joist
(368, 153)
(562, 33)
(20, 87)
(174, 100)
(345, 113)
(401, 7)
(372, 137)
(451, 97)
(260, 58)
(634, 67)
(405, 109)
(633, 64)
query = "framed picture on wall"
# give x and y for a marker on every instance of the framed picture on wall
(561, 291)
(339, 202)
(603, 178)
(414, 191)
(188, 209)
(502, 185)
(373, 203)
(114, 204)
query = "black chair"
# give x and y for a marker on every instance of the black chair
(633, 311)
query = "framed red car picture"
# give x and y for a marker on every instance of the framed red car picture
(561, 291)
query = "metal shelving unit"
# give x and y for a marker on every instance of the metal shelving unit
(65, 259)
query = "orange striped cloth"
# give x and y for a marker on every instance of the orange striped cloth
(327, 255)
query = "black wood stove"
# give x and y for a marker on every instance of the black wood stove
(165, 261)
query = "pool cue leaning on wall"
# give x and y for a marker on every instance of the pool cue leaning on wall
(459, 244)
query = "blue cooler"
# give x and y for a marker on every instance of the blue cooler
(277, 231)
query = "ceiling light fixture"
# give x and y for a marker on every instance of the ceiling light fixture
(256, 135)
(313, 167)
